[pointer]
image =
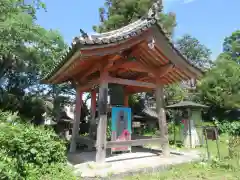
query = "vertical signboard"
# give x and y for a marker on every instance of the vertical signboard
(121, 126)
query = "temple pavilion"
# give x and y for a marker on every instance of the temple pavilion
(139, 56)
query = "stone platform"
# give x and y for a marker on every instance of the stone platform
(117, 166)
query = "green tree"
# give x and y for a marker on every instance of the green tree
(27, 51)
(175, 93)
(118, 13)
(220, 86)
(231, 46)
(199, 55)
(194, 51)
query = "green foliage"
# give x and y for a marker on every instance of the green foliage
(29, 152)
(135, 103)
(116, 14)
(109, 129)
(215, 169)
(173, 127)
(56, 172)
(174, 93)
(27, 51)
(232, 128)
(196, 52)
(8, 166)
(231, 46)
(149, 131)
(8, 117)
(220, 86)
(234, 147)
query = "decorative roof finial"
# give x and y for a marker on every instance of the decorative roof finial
(84, 34)
(155, 9)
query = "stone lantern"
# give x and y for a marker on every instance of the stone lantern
(191, 116)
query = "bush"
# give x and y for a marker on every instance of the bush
(150, 131)
(109, 129)
(57, 171)
(232, 128)
(28, 152)
(8, 166)
(172, 127)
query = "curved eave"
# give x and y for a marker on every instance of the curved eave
(179, 56)
(117, 38)
(186, 104)
(104, 40)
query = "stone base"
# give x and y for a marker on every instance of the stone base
(140, 160)
(94, 165)
(194, 141)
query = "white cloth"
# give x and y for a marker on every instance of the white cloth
(194, 135)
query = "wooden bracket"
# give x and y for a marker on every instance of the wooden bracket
(130, 82)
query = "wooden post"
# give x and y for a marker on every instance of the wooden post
(162, 119)
(189, 127)
(102, 124)
(92, 130)
(216, 134)
(206, 139)
(75, 130)
(125, 99)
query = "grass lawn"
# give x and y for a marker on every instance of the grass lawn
(191, 172)
(225, 169)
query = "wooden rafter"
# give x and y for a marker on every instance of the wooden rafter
(158, 72)
(113, 60)
(130, 82)
(91, 70)
(86, 87)
(117, 65)
(153, 53)
(133, 90)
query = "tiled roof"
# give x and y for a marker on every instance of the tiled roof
(118, 35)
(185, 104)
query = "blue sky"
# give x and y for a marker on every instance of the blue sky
(207, 20)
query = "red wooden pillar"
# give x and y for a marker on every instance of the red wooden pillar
(126, 100)
(162, 119)
(102, 124)
(75, 130)
(92, 129)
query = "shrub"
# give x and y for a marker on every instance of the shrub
(56, 171)
(109, 129)
(232, 128)
(28, 152)
(172, 127)
(8, 166)
(150, 131)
